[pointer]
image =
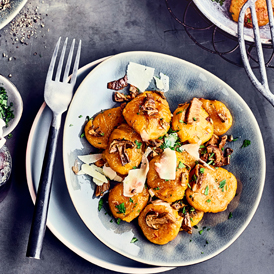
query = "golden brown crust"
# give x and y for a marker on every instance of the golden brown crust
(165, 232)
(133, 206)
(199, 131)
(103, 124)
(134, 154)
(212, 191)
(149, 115)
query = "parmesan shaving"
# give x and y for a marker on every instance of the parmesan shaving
(92, 171)
(136, 178)
(166, 168)
(139, 75)
(193, 150)
(162, 83)
(90, 158)
(109, 172)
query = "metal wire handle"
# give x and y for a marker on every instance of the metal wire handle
(262, 86)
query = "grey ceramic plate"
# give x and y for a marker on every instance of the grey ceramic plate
(220, 16)
(8, 14)
(63, 220)
(248, 164)
(15, 98)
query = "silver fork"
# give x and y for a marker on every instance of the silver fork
(57, 96)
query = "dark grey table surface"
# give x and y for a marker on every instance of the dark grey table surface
(108, 27)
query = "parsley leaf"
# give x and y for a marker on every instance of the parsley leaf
(246, 143)
(121, 208)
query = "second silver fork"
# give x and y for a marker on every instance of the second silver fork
(57, 96)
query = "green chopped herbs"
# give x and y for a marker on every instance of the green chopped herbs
(230, 215)
(200, 232)
(156, 188)
(206, 190)
(181, 121)
(194, 119)
(246, 143)
(181, 165)
(82, 135)
(138, 144)
(102, 133)
(179, 112)
(131, 200)
(202, 170)
(9, 135)
(188, 185)
(71, 125)
(121, 208)
(222, 184)
(100, 204)
(208, 200)
(80, 116)
(184, 210)
(5, 109)
(134, 240)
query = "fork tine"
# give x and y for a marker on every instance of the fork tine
(53, 59)
(65, 78)
(76, 64)
(60, 65)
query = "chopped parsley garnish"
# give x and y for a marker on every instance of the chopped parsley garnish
(194, 119)
(118, 221)
(202, 170)
(5, 110)
(179, 112)
(134, 240)
(200, 232)
(246, 143)
(188, 185)
(230, 215)
(80, 116)
(102, 133)
(100, 204)
(184, 210)
(121, 208)
(138, 144)
(82, 135)
(156, 188)
(208, 200)
(206, 190)
(181, 165)
(131, 200)
(222, 184)
(181, 121)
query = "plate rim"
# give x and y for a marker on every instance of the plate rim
(56, 233)
(224, 27)
(12, 14)
(258, 198)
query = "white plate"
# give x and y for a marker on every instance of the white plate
(220, 16)
(63, 220)
(186, 81)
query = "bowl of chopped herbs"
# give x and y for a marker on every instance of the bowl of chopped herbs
(11, 105)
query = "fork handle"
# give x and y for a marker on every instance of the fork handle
(39, 220)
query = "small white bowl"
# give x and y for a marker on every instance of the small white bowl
(14, 97)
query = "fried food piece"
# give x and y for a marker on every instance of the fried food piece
(220, 115)
(98, 130)
(149, 115)
(159, 222)
(126, 208)
(190, 215)
(124, 150)
(169, 190)
(211, 190)
(193, 129)
(261, 10)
